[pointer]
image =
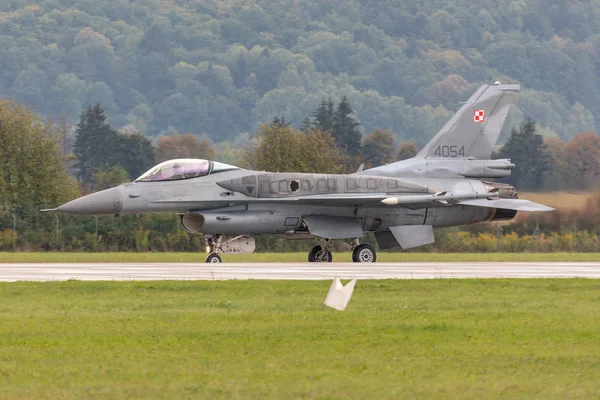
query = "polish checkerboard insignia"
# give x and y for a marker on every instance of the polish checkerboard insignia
(478, 116)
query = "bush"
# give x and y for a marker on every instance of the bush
(8, 239)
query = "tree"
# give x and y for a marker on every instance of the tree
(526, 149)
(183, 146)
(280, 121)
(558, 165)
(378, 148)
(105, 178)
(98, 146)
(324, 115)
(96, 143)
(282, 149)
(345, 128)
(136, 153)
(583, 160)
(306, 124)
(407, 150)
(34, 172)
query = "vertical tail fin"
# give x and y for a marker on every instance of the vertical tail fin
(473, 131)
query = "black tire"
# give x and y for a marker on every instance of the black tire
(317, 254)
(213, 259)
(364, 253)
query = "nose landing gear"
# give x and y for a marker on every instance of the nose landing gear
(213, 258)
(228, 244)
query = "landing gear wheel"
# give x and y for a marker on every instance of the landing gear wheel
(364, 253)
(213, 259)
(318, 254)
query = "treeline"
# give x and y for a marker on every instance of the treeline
(329, 141)
(222, 68)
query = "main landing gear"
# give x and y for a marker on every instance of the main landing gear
(319, 254)
(363, 253)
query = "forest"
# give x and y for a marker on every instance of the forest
(293, 85)
(220, 68)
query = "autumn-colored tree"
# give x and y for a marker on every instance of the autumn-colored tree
(583, 158)
(407, 150)
(183, 146)
(378, 148)
(557, 178)
(282, 149)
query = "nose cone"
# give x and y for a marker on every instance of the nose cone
(107, 201)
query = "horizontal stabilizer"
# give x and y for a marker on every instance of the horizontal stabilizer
(509, 204)
(409, 236)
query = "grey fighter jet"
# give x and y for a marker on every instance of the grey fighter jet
(449, 183)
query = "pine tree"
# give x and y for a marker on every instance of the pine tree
(280, 122)
(98, 146)
(526, 150)
(345, 128)
(306, 124)
(136, 154)
(324, 115)
(96, 143)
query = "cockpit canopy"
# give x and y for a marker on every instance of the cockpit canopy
(183, 168)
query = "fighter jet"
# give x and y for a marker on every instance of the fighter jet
(448, 183)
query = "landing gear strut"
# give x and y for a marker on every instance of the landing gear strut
(212, 243)
(211, 249)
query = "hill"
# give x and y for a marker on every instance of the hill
(220, 67)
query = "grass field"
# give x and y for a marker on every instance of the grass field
(254, 339)
(292, 257)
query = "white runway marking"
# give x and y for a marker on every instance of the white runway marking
(292, 271)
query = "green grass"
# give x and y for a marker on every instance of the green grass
(425, 339)
(291, 257)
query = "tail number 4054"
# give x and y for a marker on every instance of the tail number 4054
(449, 151)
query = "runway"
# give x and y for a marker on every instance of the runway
(292, 271)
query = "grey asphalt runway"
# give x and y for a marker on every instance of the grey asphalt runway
(292, 271)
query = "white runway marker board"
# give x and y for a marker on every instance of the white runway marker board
(339, 295)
